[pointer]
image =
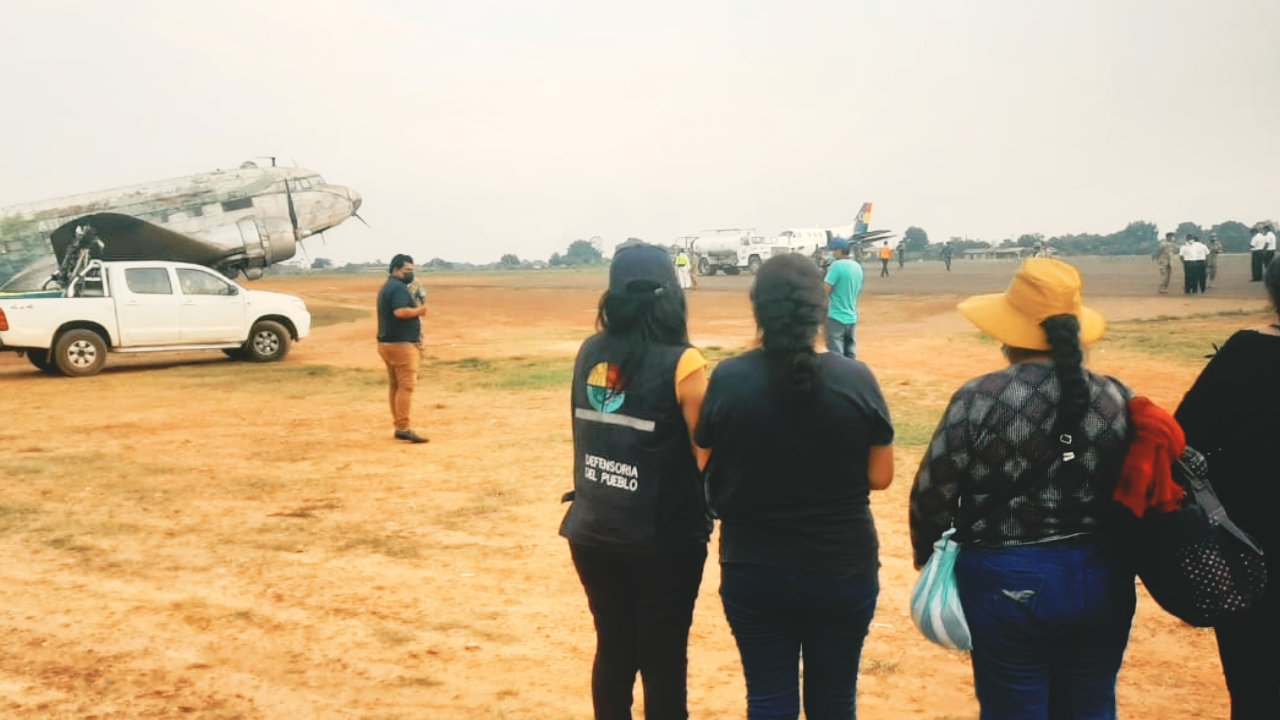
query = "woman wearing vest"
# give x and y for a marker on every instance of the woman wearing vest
(798, 441)
(637, 528)
(1048, 597)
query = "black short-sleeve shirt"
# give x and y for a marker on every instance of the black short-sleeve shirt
(391, 329)
(789, 479)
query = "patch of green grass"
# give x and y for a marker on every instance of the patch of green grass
(1188, 339)
(393, 636)
(69, 543)
(418, 681)
(16, 515)
(716, 354)
(322, 315)
(392, 546)
(879, 666)
(516, 373)
(306, 380)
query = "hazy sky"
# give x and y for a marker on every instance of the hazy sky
(478, 127)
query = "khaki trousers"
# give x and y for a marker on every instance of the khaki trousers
(1166, 272)
(402, 369)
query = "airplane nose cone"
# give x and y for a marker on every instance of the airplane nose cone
(355, 200)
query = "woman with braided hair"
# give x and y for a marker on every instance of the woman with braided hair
(798, 440)
(1024, 463)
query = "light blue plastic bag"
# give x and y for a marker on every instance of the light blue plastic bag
(935, 602)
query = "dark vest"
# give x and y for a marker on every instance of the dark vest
(636, 483)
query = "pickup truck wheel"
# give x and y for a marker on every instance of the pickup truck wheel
(40, 358)
(80, 353)
(268, 341)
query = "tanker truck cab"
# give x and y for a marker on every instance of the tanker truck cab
(148, 306)
(730, 251)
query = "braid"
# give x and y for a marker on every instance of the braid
(789, 304)
(1063, 333)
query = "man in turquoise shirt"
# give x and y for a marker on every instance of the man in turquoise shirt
(844, 284)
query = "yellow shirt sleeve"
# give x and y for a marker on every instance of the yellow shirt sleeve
(690, 362)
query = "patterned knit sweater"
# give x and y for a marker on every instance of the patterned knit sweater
(996, 427)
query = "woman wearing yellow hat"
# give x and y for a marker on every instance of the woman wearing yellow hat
(1024, 464)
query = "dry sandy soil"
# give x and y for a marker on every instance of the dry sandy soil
(192, 537)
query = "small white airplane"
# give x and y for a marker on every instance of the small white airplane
(235, 221)
(814, 240)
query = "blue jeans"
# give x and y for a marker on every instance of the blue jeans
(840, 339)
(778, 615)
(1050, 625)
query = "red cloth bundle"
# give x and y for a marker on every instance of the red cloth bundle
(1146, 480)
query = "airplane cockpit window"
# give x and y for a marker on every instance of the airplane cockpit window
(148, 281)
(196, 282)
(317, 180)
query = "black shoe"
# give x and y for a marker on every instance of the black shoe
(410, 436)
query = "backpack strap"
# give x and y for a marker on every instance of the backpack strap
(1194, 469)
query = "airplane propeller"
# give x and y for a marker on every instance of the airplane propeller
(293, 214)
(357, 216)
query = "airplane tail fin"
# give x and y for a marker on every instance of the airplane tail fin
(863, 221)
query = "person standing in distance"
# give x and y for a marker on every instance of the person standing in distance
(947, 253)
(400, 315)
(886, 254)
(1215, 249)
(1257, 252)
(844, 285)
(1193, 254)
(682, 270)
(1164, 259)
(1268, 244)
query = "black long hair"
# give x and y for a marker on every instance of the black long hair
(790, 304)
(1063, 333)
(645, 314)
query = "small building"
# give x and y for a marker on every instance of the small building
(990, 253)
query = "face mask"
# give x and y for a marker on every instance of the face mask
(407, 277)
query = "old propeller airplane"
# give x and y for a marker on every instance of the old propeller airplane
(235, 221)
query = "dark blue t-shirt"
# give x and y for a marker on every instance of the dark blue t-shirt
(789, 479)
(391, 329)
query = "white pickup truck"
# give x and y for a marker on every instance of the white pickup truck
(147, 307)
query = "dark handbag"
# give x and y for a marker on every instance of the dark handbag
(1197, 564)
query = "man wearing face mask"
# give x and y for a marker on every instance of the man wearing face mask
(400, 339)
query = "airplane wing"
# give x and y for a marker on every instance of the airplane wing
(127, 238)
(869, 237)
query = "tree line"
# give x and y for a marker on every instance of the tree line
(1137, 238)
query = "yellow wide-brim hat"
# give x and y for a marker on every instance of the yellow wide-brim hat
(1042, 288)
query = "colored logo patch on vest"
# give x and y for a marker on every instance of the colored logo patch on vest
(606, 388)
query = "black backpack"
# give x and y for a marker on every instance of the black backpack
(1197, 564)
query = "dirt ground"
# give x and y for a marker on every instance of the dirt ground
(192, 537)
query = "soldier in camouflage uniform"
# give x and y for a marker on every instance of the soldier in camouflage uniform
(1215, 249)
(1164, 258)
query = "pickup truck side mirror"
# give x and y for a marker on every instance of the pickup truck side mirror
(231, 290)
